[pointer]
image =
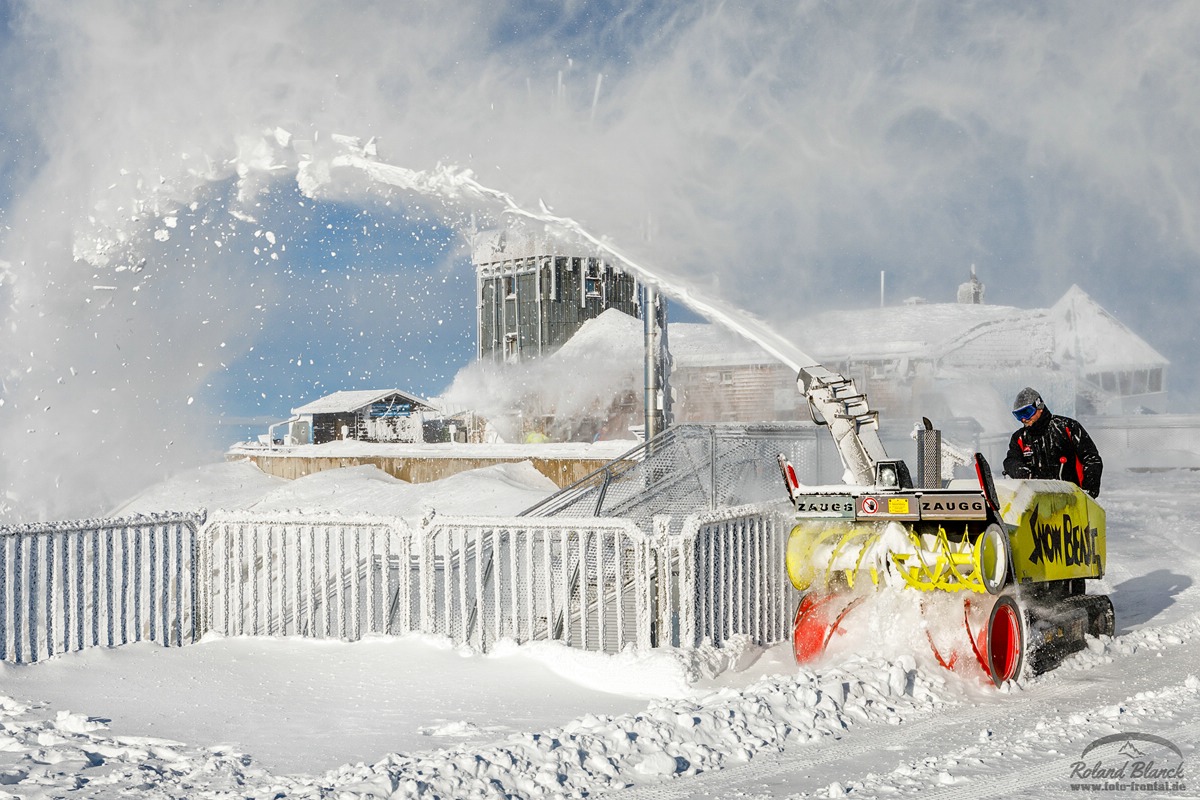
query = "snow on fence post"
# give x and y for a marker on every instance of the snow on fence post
(495, 578)
(739, 553)
(425, 581)
(642, 592)
(369, 568)
(547, 576)
(663, 580)
(601, 608)
(514, 628)
(70, 585)
(689, 602)
(404, 587)
(477, 592)
(476, 580)
(308, 575)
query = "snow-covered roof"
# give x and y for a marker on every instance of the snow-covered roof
(345, 401)
(700, 344)
(1087, 333)
(1076, 329)
(919, 330)
(489, 247)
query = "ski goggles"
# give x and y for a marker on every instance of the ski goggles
(1025, 413)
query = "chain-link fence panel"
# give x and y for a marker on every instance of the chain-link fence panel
(692, 469)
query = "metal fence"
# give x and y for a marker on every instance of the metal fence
(597, 584)
(659, 548)
(73, 585)
(691, 469)
(737, 581)
(312, 576)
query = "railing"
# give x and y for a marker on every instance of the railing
(311, 576)
(738, 579)
(586, 582)
(93, 583)
(597, 584)
(696, 468)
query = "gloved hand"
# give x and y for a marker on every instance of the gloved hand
(1026, 471)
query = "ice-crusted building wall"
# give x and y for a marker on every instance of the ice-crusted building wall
(534, 294)
(948, 361)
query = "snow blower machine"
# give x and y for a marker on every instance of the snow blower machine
(998, 567)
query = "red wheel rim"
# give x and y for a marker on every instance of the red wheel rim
(810, 631)
(1004, 642)
(818, 618)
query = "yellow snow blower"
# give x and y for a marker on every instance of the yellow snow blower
(1001, 565)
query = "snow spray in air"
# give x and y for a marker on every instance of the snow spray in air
(452, 183)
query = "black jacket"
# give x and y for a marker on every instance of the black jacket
(1057, 448)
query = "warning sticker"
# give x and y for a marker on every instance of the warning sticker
(897, 505)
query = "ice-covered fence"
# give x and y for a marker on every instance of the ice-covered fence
(592, 583)
(474, 580)
(67, 586)
(306, 575)
(602, 583)
(586, 582)
(731, 575)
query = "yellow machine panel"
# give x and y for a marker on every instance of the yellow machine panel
(1056, 535)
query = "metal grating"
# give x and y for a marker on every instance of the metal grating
(691, 469)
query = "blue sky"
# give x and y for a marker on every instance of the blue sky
(361, 298)
(774, 158)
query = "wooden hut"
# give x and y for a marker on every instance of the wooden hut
(371, 415)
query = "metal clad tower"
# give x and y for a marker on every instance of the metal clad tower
(534, 294)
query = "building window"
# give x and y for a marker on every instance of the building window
(510, 287)
(591, 280)
(726, 378)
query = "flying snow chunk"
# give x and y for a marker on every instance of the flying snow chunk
(162, 234)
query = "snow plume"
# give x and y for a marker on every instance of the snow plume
(567, 395)
(775, 158)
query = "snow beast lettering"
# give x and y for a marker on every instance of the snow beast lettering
(1061, 542)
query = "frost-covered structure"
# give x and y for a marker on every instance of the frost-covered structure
(948, 361)
(371, 415)
(535, 294)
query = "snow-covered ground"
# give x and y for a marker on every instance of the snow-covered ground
(415, 717)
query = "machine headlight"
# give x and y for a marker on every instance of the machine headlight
(892, 475)
(887, 476)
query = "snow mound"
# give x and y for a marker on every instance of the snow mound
(593, 753)
(497, 490)
(228, 484)
(612, 335)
